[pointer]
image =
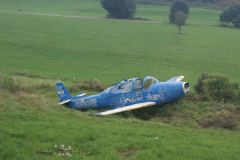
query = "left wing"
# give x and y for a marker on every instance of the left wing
(127, 108)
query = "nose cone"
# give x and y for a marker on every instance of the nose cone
(186, 87)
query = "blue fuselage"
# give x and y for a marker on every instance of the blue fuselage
(161, 93)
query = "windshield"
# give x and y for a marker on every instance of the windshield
(149, 81)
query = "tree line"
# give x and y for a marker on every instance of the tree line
(125, 9)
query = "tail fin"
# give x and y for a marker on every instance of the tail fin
(63, 94)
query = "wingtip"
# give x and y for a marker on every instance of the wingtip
(98, 115)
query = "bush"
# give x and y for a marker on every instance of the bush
(216, 87)
(231, 15)
(220, 119)
(236, 21)
(120, 9)
(178, 5)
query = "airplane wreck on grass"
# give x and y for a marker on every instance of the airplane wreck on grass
(127, 95)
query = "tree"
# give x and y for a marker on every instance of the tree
(178, 5)
(180, 19)
(231, 15)
(236, 21)
(120, 9)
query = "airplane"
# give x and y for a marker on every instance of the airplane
(127, 95)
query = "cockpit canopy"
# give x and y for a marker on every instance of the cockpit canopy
(131, 85)
(149, 81)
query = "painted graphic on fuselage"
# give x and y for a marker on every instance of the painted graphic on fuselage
(83, 103)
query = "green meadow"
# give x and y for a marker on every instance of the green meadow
(109, 50)
(49, 40)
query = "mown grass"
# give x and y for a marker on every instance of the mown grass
(41, 47)
(65, 47)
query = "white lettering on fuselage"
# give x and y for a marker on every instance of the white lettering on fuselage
(134, 99)
(86, 102)
(60, 92)
(160, 96)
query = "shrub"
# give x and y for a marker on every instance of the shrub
(220, 119)
(178, 5)
(216, 87)
(236, 21)
(120, 9)
(231, 15)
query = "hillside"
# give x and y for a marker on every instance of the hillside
(32, 124)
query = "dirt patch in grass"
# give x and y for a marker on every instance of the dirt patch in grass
(129, 152)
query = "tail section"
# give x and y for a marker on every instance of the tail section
(63, 94)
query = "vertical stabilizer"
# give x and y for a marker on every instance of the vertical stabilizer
(63, 94)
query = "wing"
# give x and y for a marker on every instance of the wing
(127, 108)
(176, 79)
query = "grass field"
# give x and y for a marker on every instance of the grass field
(65, 47)
(71, 39)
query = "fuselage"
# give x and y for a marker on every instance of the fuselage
(161, 93)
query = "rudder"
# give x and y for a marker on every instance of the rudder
(63, 95)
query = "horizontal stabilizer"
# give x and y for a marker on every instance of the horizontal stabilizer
(127, 108)
(82, 94)
(176, 79)
(64, 102)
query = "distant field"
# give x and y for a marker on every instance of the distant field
(93, 8)
(110, 50)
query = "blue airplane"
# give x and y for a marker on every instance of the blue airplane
(127, 95)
